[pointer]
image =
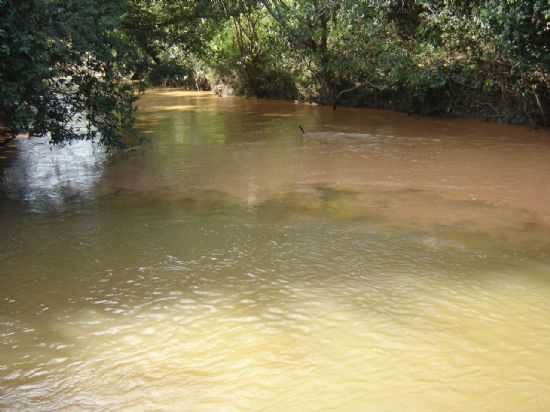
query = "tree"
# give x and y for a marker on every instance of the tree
(307, 25)
(62, 68)
(523, 28)
(167, 37)
(346, 44)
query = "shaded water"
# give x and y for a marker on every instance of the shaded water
(378, 263)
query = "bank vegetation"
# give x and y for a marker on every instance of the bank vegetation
(73, 68)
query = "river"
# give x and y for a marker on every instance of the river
(379, 262)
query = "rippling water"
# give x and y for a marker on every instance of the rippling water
(377, 263)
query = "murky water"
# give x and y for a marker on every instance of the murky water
(378, 263)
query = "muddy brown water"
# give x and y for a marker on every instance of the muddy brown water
(379, 262)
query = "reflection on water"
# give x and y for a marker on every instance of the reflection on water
(377, 263)
(48, 177)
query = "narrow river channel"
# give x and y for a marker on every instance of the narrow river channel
(376, 263)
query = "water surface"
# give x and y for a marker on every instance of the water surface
(379, 262)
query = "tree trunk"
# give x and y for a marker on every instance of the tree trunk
(325, 76)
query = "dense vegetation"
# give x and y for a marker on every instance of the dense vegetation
(488, 58)
(62, 66)
(72, 67)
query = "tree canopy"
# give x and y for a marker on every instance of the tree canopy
(62, 65)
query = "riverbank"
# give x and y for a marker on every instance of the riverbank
(484, 60)
(459, 103)
(453, 100)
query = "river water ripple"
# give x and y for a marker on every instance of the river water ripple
(379, 262)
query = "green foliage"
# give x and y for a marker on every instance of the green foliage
(248, 55)
(431, 56)
(523, 29)
(66, 65)
(61, 68)
(169, 39)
